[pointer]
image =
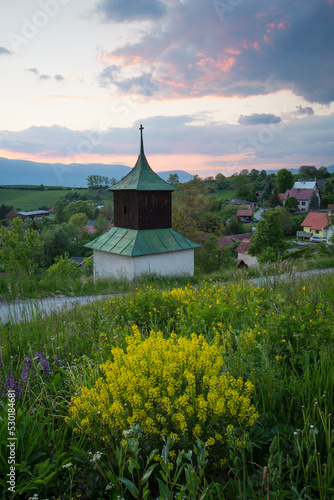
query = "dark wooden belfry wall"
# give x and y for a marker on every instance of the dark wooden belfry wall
(143, 209)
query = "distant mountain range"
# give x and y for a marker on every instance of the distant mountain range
(21, 172)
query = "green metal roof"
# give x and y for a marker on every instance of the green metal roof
(142, 177)
(133, 243)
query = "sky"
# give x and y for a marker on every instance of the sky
(219, 85)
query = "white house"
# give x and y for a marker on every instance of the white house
(303, 197)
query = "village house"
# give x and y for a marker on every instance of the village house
(224, 241)
(248, 204)
(35, 214)
(311, 184)
(317, 224)
(243, 255)
(245, 214)
(303, 196)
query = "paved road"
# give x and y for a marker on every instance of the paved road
(282, 277)
(20, 310)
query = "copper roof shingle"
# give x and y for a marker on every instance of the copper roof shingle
(317, 220)
(134, 243)
(142, 177)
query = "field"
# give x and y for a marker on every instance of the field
(27, 200)
(32, 199)
(224, 194)
(207, 392)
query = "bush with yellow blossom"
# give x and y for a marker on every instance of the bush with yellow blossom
(173, 388)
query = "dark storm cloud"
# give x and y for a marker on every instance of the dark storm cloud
(304, 111)
(131, 10)
(258, 119)
(255, 48)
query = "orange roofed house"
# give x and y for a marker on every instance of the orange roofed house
(319, 224)
(245, 214)
(244, 256)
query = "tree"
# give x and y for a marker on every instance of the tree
(12, 215)
(221, 181)
(274, 199)
(307, 171)
(20, 251)
(194, 210)
(328, 187)
(107, 210)
(97, 182)
(268, 234)
(86, 207)
(254, 173)
(269, 186)
(314, 202)
(63, 269)
(58, 240)
(233, 227)
(60, 213)
(79, 220)
(173, 179)
(101, 225)
(284, 180)
(4, 210)
(322, 173)
(291, 204)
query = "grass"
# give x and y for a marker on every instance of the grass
(278, 336)
(32, 199)
(224, 194)
(84, 285)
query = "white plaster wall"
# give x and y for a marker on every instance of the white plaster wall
(108, 265)
(329, 234)
(248, 259)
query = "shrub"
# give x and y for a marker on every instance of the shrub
(64, 268)
(174, 388)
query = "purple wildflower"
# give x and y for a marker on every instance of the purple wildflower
(44, 362)
(26, 369)
(10, 385)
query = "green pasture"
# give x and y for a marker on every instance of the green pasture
(33, 199)
(224, 194)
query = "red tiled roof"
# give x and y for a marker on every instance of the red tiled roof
(244, 245)
(316, 220)
(299, 194)
(244, 212)
(232, 238)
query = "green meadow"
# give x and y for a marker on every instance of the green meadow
(219, 391)
(32, 199)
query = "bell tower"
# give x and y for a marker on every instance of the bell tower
(142, 200)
